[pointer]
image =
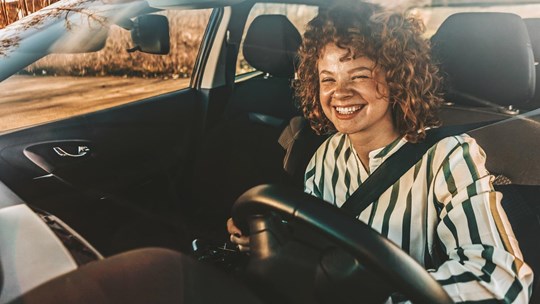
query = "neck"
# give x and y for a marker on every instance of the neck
(365, 142)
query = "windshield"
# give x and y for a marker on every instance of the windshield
(76, 57)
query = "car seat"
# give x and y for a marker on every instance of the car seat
(242, 149)
(493, 72)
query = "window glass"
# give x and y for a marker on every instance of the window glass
(63, 85)
(299, 15)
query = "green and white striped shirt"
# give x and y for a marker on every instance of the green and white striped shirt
(448, 195)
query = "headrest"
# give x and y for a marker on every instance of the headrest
(486, 58)
(271, 45)
(533, 27)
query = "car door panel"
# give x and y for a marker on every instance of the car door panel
(130, 156)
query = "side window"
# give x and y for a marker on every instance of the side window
(63, 85)
(299, 15)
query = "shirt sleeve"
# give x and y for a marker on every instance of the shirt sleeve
(309, 176)
(484, 259)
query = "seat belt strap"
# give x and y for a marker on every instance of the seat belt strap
(391, 170)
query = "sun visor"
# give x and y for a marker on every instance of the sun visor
(486, 59)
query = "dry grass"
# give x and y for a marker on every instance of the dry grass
(54, 98)
(186, 31)
(13, 11)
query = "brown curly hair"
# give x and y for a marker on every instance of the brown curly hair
(394, 42)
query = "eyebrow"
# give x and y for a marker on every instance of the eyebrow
(358, 69)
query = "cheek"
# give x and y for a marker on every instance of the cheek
(324, 97)
(324, 91)
(325, 105)
(381, 89)
(381, 108)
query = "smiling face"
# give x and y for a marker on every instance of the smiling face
(354, 94)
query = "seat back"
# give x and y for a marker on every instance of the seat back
(495, 71)
(522, 206)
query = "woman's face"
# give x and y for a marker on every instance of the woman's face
(353, 93)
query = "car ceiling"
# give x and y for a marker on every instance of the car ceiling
(418, 3)
(323, 3)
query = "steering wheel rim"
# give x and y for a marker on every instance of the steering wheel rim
(354, 236)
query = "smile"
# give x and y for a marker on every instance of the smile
(348, 110)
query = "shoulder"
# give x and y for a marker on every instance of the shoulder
(327, 149)
(330, 144)
(450, 144)
(455, 149)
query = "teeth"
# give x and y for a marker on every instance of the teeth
(348, 110)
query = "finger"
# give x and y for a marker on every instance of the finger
(243, 240)
(232, 229)
(244, 248)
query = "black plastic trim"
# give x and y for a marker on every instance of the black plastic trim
(206, 47)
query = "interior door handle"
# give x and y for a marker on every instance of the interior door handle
(81, 151)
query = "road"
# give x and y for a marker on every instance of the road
(31, 100)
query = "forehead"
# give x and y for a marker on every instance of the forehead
(334, 56)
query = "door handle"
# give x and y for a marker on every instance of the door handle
(81, 151)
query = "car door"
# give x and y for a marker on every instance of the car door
(114, 174)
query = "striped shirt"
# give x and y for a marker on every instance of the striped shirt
(448, 196)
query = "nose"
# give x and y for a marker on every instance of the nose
(342, 91)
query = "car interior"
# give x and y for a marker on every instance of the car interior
(166, 170)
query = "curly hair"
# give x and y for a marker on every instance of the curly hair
(394, 42)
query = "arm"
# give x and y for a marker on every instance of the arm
(309, 177)
(485, 261)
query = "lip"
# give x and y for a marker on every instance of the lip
(348, 112)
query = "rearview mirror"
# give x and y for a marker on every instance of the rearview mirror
(150, 34)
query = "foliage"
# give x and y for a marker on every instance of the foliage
(11, 11)
(186, 30)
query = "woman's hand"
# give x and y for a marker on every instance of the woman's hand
(237, 238)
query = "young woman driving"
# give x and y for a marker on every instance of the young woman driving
(366, 75)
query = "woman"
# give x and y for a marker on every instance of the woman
(366, 75)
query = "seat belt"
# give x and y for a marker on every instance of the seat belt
(391, 170)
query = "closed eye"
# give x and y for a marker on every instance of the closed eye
(327, 79)
(360, 77)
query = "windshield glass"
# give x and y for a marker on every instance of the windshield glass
(76, 57)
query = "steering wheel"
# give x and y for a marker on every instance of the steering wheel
(254, 210)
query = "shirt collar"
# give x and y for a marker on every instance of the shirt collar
(389, 149)
(378, 156)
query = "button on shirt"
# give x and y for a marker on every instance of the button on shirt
(445, 202)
